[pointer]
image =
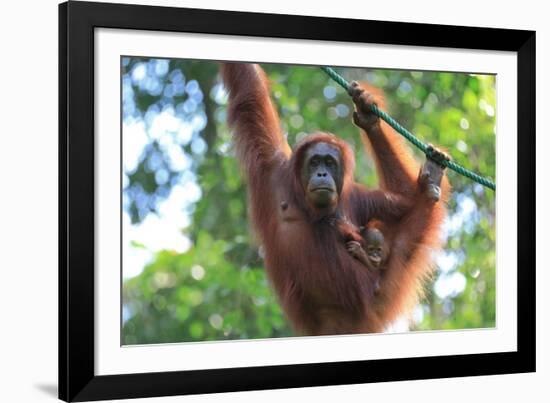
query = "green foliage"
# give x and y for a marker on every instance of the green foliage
(200, 295)
(216, 288)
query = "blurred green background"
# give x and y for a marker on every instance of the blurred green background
(191, 270)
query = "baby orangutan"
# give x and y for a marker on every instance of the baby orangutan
(373, 251)
(366, 244)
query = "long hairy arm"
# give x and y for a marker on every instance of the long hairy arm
(410, 213)
(258, 139)
(416, 238)
(260, 146)
(397, 169)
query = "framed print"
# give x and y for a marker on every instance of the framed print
(256, 201)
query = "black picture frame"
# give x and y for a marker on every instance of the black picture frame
(77, 21)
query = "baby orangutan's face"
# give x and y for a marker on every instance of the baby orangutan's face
(375, 246)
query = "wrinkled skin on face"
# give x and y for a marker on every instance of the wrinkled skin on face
(322, 175)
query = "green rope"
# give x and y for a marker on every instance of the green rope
(412, 138)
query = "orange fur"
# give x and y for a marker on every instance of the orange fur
(322, 289)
